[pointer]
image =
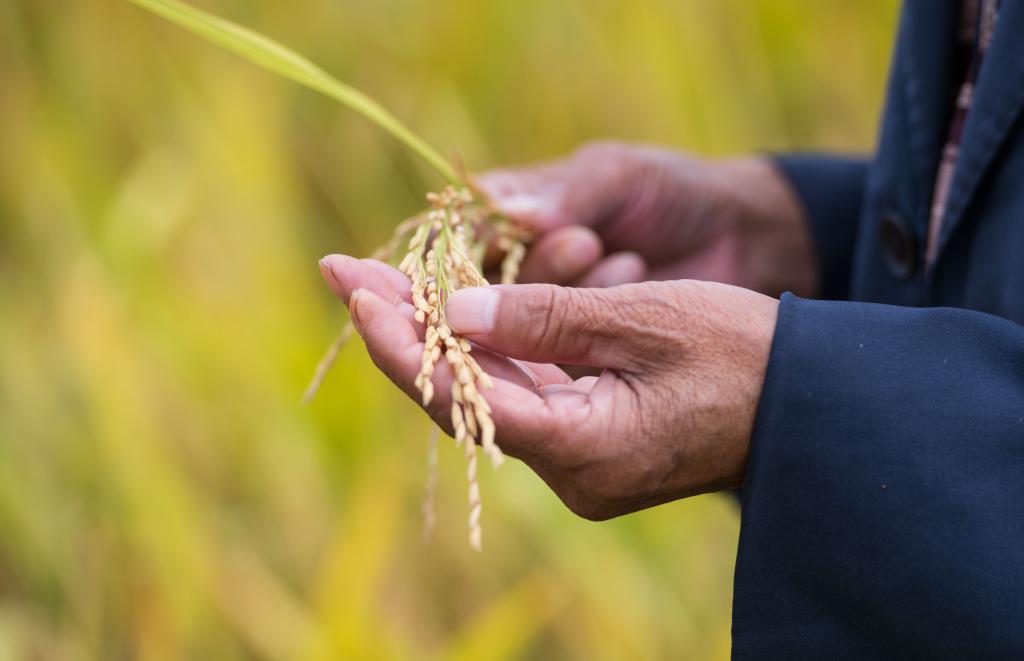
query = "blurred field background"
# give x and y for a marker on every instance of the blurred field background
(162, 207)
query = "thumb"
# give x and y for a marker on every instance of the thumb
(547, 324)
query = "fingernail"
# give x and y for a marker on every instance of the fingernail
(330, 278)
(472, 311)
(519, 205)
(353, 310)
(333, 269)
(325, 268)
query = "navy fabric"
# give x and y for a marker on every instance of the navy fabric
(819, 181)
(883, 510)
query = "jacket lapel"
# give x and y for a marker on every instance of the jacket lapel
(998, 98)
(928, 30)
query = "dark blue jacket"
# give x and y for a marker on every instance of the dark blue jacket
(883, 510)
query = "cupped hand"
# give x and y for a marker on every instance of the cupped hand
(613, 213)
(669, 416)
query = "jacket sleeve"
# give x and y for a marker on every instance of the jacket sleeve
(831, 189)
(883, 508)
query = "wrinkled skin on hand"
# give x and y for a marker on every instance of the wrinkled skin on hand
(669, 416)
(613, 213)
(681, 363)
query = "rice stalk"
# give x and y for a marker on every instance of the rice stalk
(327, 362)
(271, 55)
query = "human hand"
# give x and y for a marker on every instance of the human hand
(669, 417)
(613, 213)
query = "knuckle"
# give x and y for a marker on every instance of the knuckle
(599, 149)
(547, 313)
(536, 313)
(604, 166)
(586, 318)
(552, 316)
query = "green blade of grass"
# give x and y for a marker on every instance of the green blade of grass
(275, 57)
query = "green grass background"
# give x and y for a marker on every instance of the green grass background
(162, 208)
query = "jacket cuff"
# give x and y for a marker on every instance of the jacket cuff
(883, 491)
(831, 190)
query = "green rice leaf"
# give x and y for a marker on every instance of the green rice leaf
(275, 57)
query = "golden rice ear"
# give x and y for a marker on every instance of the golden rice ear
(438, 263)
(487, 437)
(458, 423)
(475, 505)
(474, 430)
(430, 487)
(516, 251)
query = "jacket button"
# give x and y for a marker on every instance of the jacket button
(899, 247)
